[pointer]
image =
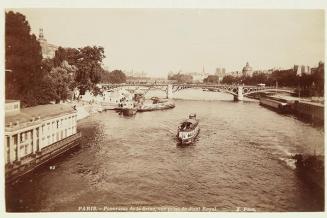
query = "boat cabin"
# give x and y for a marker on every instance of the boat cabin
(188, 125)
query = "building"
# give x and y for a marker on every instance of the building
(220, 72)
(198, 77)
(48, 50)
(135, 74)
(247, 70)
(34, 135)
(235, 73)
(320, 68)
(301, 70)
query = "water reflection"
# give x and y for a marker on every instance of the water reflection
(241, 159)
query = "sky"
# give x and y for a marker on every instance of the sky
(158, 41)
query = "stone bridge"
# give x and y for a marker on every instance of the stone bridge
(238, 91)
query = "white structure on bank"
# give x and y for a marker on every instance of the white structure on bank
(29, 130)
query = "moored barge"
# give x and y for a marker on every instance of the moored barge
(277, 104)
(161, 105)
(36, 135)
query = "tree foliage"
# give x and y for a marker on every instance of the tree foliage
(211, 79)
(87, 61)
(36, 81)
(70, 55)
(181, 78)
(310, 84)
(229, 79)
(61, 79)
(23, 59)
(116, 76)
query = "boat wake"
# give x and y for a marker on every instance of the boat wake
(289, 161)
(286, 157)
(168, 129)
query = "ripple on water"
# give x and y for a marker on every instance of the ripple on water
(241, 159)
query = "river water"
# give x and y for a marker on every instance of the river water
(241, 159)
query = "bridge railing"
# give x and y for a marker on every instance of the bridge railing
(199, 85)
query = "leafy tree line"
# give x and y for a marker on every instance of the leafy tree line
(211, 79)
(248, 80)
(116, 76)
(307, 84)
(181, 78)
(35, 81)
(23, 60)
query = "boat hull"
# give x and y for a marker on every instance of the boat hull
(276, 105)
(159, 106)
(29, 163)
(189, 140)
(129, 112)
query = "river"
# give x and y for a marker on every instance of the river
(241, 159)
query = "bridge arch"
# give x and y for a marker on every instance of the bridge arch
(145, 88)
(238, 91)
(226, 89)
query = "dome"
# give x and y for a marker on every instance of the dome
(247, 67)
(247, 70)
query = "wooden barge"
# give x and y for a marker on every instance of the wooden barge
(36, 135)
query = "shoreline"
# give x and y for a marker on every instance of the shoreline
(85, 109)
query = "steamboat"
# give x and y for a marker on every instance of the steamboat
(188, 130)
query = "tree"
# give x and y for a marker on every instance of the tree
(211, 79)
(87, 61)
(22, 59)
(285, 77)
(61, 80)
(229, 79)
(116, 76)
(70, 55)
(181, 78)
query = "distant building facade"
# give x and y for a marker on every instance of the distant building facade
(220, 72)
(302, 69)
(320, 68)
(235, 73)
(198, 77)
(48, 50)
(135, 74)
(247, 70)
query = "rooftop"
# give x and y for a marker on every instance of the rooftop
(10, 101)
(192, 121)
(44, 112)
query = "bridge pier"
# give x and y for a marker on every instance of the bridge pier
(169, 91)
(239, 96)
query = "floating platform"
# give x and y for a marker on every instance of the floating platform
(27, 164)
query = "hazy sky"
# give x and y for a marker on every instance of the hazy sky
(162, 40)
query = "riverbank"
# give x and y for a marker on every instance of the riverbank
(304, 109)
(85, 109)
